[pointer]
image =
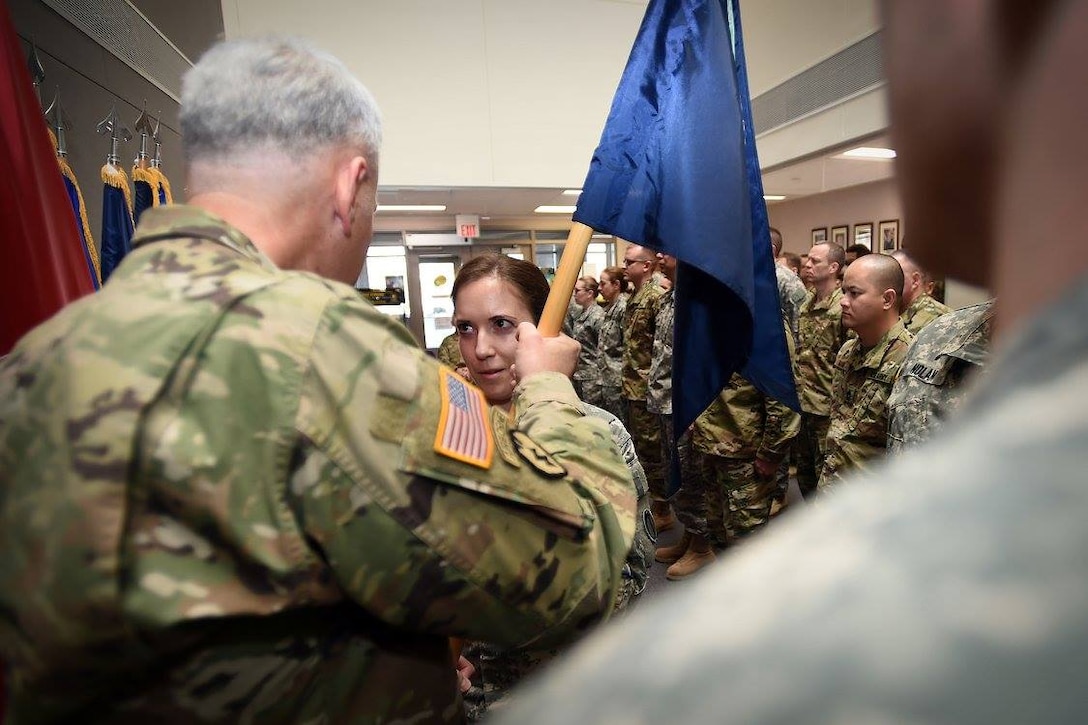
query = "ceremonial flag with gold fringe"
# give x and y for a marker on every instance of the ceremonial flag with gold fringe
(166, 196)
(44, 267)
(145, 185)
(79, 208)
(117, 225)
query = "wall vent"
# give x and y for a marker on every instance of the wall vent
(125, 32)
(849, 73)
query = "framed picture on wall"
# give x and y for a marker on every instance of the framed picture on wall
(863, 234)
(887, 234)
(819, 235)
(841, 235)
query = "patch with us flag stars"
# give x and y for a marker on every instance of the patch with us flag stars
(464, 429)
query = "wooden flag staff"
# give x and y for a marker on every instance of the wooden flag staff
(574, 254)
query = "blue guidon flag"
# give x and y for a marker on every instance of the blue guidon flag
(463, 433)
(676, 170)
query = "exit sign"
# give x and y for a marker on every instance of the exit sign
(468, 225)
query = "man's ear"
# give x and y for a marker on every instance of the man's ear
(350, 177)
(891, 299)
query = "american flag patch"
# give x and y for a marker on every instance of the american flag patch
(464, 433)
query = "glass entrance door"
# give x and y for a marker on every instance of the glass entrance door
(436, 274)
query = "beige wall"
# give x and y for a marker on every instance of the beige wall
(495, 93)
(874, 203)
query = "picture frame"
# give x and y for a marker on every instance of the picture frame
(819, 235)
(887, 234)
(841, 235)
(863, 234)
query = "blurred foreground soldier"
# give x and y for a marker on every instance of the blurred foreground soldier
(866, 367)
(932, 382)
(237, 493)
(951, 585)
(919, 308)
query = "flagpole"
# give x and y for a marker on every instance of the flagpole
(574, 254)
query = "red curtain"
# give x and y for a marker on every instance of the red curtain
(42, 267)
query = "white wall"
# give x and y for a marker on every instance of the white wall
(496, 93)
(474, 92)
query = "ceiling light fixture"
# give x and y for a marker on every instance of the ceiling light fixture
(773, 197)
(869, 153)
(411, 207)
(572, 192)
(546, 209)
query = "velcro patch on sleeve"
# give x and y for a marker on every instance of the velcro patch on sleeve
(464, 429)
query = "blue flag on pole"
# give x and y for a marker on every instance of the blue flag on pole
(117, 226)
(676, 170)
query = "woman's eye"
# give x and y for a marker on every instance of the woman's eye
(463, 328)
(503, 324)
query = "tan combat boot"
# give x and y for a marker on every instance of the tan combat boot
(670, 554)
(662, 514)
(698, 555)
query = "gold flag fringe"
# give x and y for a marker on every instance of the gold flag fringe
(92, 249)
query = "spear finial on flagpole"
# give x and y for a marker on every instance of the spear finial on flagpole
(58, 120)
(117, 131)
(37, 72)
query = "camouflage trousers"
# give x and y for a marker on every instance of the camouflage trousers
(645, 430)
(689, 503)
(736, 496)
(809, 449)
(613, 401)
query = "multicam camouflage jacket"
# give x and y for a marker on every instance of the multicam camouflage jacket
(859, 417)
(932, 381)
(233, 494)
(659, 385)
(586, 330)
(791, 295)
(820, 335)
(743, 423)
(638, 339)
(921, 312)
(449, 352)
(610, 344)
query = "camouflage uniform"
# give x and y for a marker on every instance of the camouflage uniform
(449, 352)
(659, 385)
(931, 384)
(587, 376)
(949, 586)
(610, 345)
(223, 502)
(500, 669)
(820, 335)
(859, 418)
(741, 425)
(791, 295)
(921, 312)
(640, 319)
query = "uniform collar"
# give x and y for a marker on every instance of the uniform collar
(181, 220)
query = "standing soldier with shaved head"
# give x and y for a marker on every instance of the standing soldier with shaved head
(866, 366)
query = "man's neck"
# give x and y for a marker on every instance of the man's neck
(869, 338)
(825, 288)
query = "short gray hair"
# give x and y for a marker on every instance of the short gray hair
(274, 92)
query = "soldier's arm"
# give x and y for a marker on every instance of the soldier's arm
(519, 538)
(781, 426)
